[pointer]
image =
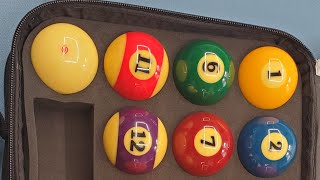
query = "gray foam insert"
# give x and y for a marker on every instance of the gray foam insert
(65, 139)
(51, 157)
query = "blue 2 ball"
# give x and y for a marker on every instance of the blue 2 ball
(266, 146)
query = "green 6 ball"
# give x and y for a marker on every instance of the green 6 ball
(203, 72)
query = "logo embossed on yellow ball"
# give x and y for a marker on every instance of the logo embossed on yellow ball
(274, 146)
(142, 64)
(210, 68)
(137, 141)
(207, 141)
(69, 50)
(273, 73)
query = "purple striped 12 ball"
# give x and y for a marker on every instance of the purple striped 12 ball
(135, 140)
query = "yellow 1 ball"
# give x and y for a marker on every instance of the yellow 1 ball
(268, 77)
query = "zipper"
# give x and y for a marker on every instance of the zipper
(11, 114)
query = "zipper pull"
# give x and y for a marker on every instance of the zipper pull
(318, 67)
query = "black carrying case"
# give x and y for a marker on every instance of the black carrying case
(115, 19)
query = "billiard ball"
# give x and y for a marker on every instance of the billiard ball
(203, 72)
(136, 65)
(266, 146)
(202, 144)
(64, 57)
(268, 77)
(135, 140)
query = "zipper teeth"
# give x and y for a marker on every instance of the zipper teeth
(116, 4)
(12, 89)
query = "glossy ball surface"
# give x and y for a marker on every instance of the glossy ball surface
(64, 57)
(266, 146)
(203, 72)
(268, 77)
(202, 144)
(135, 140)
(136, 65)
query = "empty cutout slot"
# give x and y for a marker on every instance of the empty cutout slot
(65, 140)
